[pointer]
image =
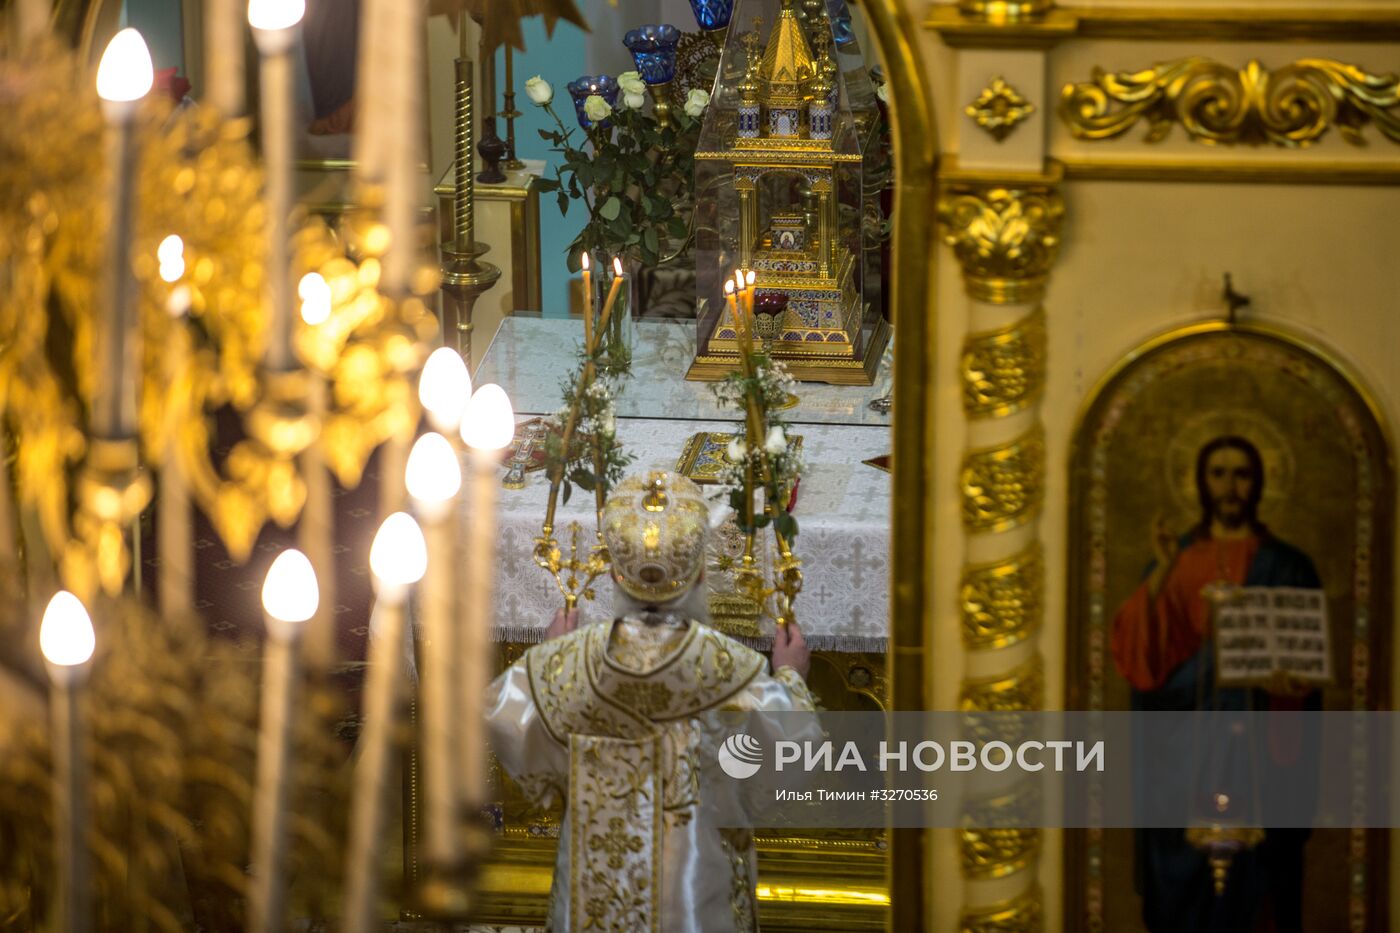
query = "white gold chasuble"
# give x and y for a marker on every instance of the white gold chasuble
(613, 716)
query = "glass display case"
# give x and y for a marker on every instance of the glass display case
(780, 171)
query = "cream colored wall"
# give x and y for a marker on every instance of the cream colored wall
(1140, 258)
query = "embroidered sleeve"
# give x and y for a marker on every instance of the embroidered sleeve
(532, 757)
(797, 686)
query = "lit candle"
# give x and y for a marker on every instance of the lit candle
(612, 297)
(750, 292)
(67, 641)
(316, 527)
(398, 558)
(275, 24)
(587, 303)
(487, 428)
(444, 389)
(290, 597)
(174, 533)
(124, 78)
(433, 477)
(223, 57)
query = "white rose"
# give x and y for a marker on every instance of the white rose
(596, 109)
(696, 102)
(633, 100)
(737, 450)
(775, 443)
(881, 93)
(631, 83)
(539, 91)
(609, 425)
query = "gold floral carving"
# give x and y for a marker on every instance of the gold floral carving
(1003, 486)
(1003, 371)
(999, 108)
(994, 839)
(1019, 690)
(1005, 238)
(1022, 914)
(1292, 107)
(1002, 603)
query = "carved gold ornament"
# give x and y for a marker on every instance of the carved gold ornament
(1003, 486)
(1003, 371)
(1022, 914)
(1004, 238)
(1293, 107)
(999, 109)
(995, 839)
(1020, 689)
(1002, 603)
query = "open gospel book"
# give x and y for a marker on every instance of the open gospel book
(1265, 631)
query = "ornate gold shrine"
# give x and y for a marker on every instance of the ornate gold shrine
(779, 169)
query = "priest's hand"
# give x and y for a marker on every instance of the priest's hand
(790, 649)
(563, 623)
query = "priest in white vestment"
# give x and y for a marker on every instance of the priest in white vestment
(615, 716)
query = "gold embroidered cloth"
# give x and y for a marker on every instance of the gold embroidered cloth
(615, 716)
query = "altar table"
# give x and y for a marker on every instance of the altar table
(843, 507)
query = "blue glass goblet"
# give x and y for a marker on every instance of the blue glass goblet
(713, 17)
(653, 50)
(583, 87)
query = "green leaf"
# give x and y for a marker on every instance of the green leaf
(649, 240)
(610, 209)
(563, 204)
(583, 478)
(568, 491)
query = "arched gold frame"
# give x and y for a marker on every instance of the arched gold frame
(913, 280)
(1378, 690)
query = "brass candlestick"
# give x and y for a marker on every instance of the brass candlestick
(465, 277)
(512, 161)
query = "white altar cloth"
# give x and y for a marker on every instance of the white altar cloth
(843, 507)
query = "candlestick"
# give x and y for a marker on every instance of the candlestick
(124, 77)
(487, 428)
(512, 161)
(223, 56)
(275, 24)
(587, 303)
(67, 641)
(398, 557)
(434, 477)
(290, 597)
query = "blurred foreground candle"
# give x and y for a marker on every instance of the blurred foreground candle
(316, 527)
(433, 478)
(223, 56)
(67, 641)
(587, 301)
(275, 25)
(487, 428)
(398, 557)
(124, 78)
(444, 389)
(290, 597)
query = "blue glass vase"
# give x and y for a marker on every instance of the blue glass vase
(653, 50)
(584, 86)
(712, 14)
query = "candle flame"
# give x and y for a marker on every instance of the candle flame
(433, 475)
(275, 14)
(583, 259)
(125, 72)
(729, 286)
(748, 279)
(399, 554)
(290, 592)
(617, 265)
(65, 636)
(444, 388)
(315, 294)
(489, 423)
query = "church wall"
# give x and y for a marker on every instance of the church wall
(1139, 258)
